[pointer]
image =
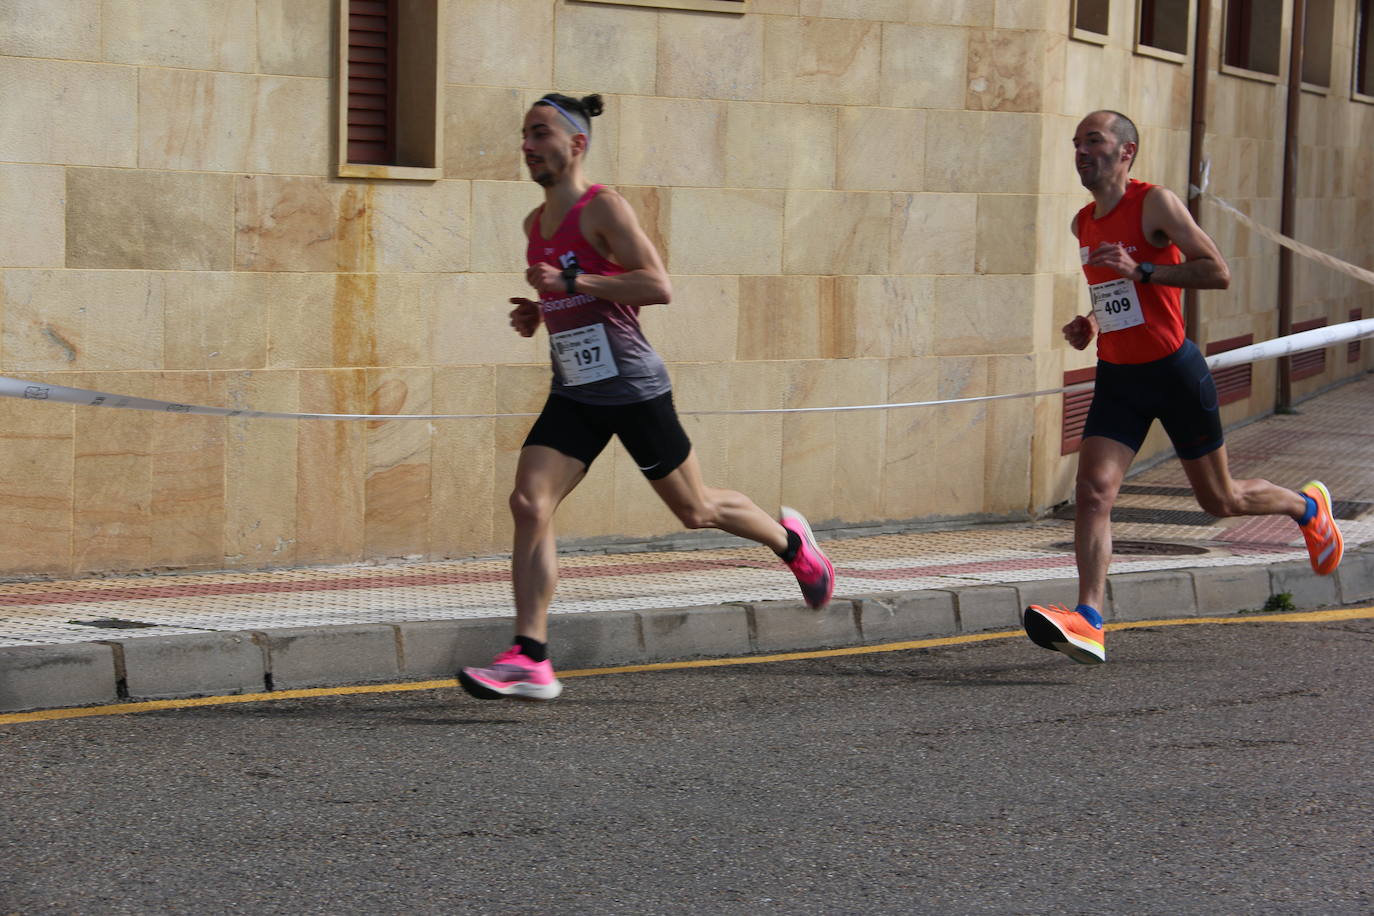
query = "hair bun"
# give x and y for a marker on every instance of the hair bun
(592, 103)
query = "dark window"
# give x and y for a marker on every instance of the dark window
(1316, 42)
(1364, 41)
(1091, 16)
(1352, 349)
(1253, 32)
(1164, 24)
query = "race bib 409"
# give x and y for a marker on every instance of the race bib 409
(1115, 305)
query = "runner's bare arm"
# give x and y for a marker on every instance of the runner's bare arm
(1165, 219)
(610, 224)
(1205, 268)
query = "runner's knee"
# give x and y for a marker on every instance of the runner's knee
(696, 515)
(530, 509)
(1096, 490)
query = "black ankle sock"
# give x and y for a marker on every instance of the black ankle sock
(533, 649)
(793, 545)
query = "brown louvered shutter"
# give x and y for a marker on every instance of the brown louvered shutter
(372, 81)
(1076, 404)
(1234, 382)
(1352, 349)
(1309, 362)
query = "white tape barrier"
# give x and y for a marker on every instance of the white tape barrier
(1307, 251)
(1269, 349)
(18, 388)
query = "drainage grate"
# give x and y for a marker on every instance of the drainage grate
(1144, 516)
(1349, 509)
(113, 623)
(1146, 549)
(1145, 489)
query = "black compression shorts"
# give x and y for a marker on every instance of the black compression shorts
(1177, 390)
(649, 430)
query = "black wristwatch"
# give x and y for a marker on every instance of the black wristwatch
(569, 276)
(1147, 270)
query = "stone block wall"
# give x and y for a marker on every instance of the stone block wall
(859, 201)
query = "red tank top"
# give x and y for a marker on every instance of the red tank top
(1137, 322)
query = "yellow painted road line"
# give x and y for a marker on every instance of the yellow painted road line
(118, 709)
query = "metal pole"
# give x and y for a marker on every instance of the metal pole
(1290, 198)
(1197, 132)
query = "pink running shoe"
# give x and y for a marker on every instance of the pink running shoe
(511, 674)
(813, 570)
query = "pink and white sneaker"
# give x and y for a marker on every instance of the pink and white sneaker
(511, 674)
(813, 569)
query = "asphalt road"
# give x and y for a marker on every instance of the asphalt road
(1204, 769)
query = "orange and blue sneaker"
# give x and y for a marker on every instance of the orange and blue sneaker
(512, 674)
(1325, 546)
(813, 569)
(1077, 633)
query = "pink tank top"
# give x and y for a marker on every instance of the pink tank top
(598, 350)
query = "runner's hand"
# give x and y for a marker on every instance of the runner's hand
(525, 317)
(1113, 257)
(546, 278)
(1079, 332)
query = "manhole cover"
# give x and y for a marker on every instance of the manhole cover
(1146, 549)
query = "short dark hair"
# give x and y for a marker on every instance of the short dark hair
(579, 112)
(1123, 128)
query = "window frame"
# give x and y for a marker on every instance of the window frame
(1318, 88)
(1235, 70)
(1088, 35)
(418, 110)
(1362, 8)
(1173, 57)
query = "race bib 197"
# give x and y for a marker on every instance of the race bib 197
(1115, 305)
(583, 355)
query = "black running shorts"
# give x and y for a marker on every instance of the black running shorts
(1177, 390)
(649, 430)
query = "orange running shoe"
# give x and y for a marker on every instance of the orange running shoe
(1071, 632)
(1324, 543)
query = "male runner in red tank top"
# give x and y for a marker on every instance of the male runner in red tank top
(1139, 246)
(593, 268)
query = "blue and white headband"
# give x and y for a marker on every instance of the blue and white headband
(578, 127)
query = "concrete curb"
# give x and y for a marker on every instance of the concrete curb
(228, 663)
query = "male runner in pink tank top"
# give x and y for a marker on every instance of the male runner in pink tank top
(1139, 246)
(594, 268)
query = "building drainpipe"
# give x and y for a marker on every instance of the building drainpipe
(1290, 200)
(1197, 132)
